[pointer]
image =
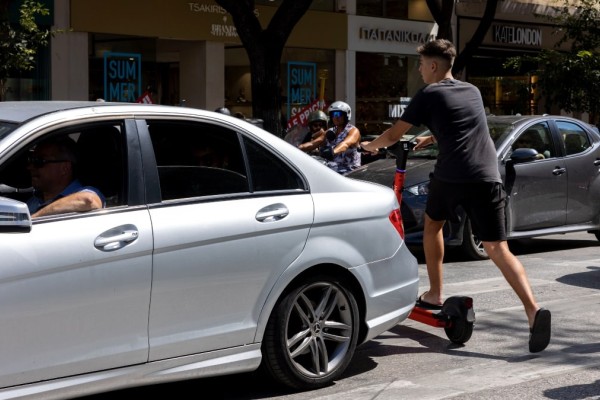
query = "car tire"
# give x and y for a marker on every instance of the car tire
(471, 246)
(597, 234)
(312, 334)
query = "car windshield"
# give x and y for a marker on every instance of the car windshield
(6, 128)
(499, 130)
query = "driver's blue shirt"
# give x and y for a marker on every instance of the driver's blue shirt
(35, 203)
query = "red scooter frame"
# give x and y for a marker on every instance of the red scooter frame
(456, 315)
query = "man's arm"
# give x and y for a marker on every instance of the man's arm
(389, 137)
(85, 200)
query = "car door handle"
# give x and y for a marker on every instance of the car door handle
(597, 162)
(116, 240)
(273, 212)
(558, 171)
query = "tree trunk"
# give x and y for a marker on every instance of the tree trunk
(477, 38)
(441, 10)
(264, 48)
(266, 88)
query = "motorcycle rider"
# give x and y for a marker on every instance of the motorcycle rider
(342, 140)
(317, 123)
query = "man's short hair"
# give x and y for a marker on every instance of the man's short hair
(440, 48)
(65, 147)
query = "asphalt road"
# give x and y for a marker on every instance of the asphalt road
(417, 361)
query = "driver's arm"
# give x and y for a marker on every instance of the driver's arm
(85, 200)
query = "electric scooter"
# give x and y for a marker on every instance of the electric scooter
(457, 315)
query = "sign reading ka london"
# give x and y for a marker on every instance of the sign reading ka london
(122, 76)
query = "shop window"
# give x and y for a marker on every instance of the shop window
(383, 82)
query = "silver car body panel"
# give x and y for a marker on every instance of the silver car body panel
(213, 270)
(152, 293)
(90, 304)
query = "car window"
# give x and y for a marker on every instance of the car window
(102, 160)
(97, 163)
(536, 137)
(197, 159)
(6, 128)
(269, 172)
(574, 137)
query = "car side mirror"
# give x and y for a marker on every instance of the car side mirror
(14, 216)
(523, 155)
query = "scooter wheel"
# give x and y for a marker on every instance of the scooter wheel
(459, 331)
(459, 310)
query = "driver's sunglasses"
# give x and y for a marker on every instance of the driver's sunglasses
(316, 124)
(336, 114)
(40, 162)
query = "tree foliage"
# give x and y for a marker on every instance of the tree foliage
(19, 42)
(570, 79)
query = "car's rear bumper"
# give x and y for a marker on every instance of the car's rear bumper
(391, 291)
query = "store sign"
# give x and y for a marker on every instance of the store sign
(396, 110)
(517, 35)
(301, 87)
(225, 29)
(395, 35)
(122, 76)
(300, 117)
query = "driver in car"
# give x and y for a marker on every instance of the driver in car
(56, 188)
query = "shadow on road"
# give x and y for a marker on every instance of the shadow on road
(522, 247)
(251, 386)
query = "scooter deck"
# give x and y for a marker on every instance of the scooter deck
(430, 317)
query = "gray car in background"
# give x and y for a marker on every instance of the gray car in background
(222, 249)
(550, 167)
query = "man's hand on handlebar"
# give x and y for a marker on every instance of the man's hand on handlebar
(423, 141)
(369, 152)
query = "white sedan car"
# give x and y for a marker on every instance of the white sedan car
(220, 249)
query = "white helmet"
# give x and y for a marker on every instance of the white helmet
(340, 106)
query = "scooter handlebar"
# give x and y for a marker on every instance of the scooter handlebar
(400, 150)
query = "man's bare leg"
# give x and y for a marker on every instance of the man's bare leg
(433, 246)
(515, 275)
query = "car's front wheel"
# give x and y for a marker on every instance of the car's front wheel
(472, 246)
(312, 334)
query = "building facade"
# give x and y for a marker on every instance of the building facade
(360, 51)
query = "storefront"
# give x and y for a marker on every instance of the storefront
(189, 53)
(515, 31)
(387, 74)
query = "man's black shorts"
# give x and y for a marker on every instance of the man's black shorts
(484, 203)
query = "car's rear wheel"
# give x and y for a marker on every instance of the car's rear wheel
(472, 246)
(312, 334)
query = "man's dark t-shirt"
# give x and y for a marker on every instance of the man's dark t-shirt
(453, 111)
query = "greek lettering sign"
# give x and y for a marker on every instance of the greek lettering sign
(302, 86)
(395, 35)
(122, 76)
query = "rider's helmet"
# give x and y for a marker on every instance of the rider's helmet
(318, 116)
(340, 106)
(223, 110)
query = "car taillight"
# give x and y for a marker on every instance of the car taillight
(396, 219)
